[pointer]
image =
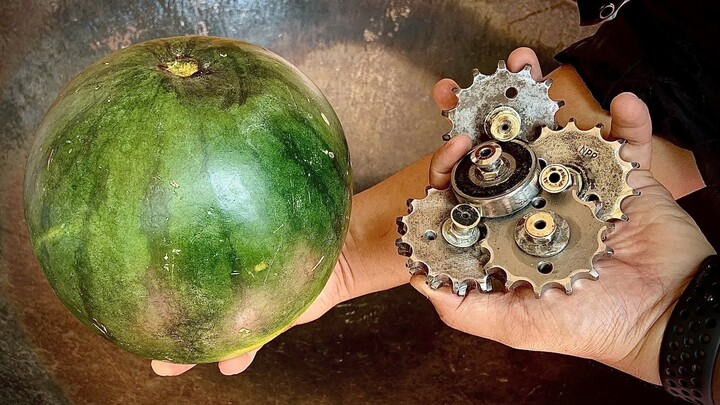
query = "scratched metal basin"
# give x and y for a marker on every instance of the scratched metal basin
(376, 61)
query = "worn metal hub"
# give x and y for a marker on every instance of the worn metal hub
(528, 205)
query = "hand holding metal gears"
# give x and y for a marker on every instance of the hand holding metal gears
(529, 204)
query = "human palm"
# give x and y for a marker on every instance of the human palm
(611, 319)
(618, 319)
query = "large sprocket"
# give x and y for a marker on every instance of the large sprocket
(565, 212)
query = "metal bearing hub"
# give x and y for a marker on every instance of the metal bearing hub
(501, 183)
(528, 204)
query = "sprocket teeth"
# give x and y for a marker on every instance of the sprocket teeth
(410, 206)
(603, 249)
(604, 234)
(468, 285)
(404, 249)
(565, 284)
(609, 228)
(459, 287)
(401, 227)
(514, 283)
(436, 281)
(417, 268)
(501, 65)
(484, 283)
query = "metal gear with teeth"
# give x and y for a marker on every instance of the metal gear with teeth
(604, 172)
(502, 106)
(427, 251)
(545, 247)
(528, 205)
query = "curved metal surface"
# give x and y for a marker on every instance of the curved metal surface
(376, 61)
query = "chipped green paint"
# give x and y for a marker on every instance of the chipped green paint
(189, 217)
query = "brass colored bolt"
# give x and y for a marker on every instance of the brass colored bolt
(503, 123)
(540, 226)
(555, 178)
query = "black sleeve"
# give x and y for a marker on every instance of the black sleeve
(666, 52)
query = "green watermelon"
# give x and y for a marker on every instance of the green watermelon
(187, 198)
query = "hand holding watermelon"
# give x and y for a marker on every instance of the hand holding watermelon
(188, 197)
(368, 261)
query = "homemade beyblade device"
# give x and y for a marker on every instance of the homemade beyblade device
(529, 204)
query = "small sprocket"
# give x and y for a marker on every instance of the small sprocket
(422, 241)
(502, 106)
(604, 172)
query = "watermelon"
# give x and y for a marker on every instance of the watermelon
(187, 198)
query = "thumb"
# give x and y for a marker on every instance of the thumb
(522, 56)
(445, 159)
(631, 122)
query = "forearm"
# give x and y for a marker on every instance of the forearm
(370, 251)
(674, 167)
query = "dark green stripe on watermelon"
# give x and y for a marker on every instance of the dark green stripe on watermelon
(189, 218)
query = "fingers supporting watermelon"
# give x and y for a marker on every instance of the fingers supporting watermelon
(167, 369)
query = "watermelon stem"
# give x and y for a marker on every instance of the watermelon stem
(182, 67)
